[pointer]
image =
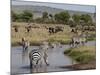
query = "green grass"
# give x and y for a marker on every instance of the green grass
(91, 38)
(83, 54)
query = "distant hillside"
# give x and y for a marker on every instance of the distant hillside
(38, 10)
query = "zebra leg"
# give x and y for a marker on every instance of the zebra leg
(31, 64)
(73, 44)
(26, 48)
(23, 48)
(39, 63)
(46, 62)
(70, 44)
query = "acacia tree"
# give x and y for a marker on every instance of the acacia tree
(86, 18)
(76, 18)
(62, 17)
(26, 16)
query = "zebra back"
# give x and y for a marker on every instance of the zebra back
(35, 56)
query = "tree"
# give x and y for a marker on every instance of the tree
(86, 18)
(45, 15)
(26, 16)
(14, 16)
(71, 23)
(51, 16)
(62, 17)
(76, 18)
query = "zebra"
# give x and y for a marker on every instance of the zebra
(25, 44)
(55, 45)
(75, 42)
(72, 42)
(37, 56)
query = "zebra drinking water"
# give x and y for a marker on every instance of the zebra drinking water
(37, 56)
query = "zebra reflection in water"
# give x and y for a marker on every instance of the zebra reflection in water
(25, 54)
(25, 51)
(39, 69)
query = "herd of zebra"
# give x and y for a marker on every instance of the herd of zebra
(37, 56)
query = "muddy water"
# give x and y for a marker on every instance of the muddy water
(56, 58)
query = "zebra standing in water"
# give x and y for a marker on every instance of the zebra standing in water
(37, 56)
(75, 42)
(25, 44)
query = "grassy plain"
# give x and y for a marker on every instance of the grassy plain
(39, 33)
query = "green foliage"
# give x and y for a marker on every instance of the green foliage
(91, 38)
(26, 16)
(85, 58)
(71, 23)
(62, 17)
(14, 16)
(86, 18)
(76, 18)
(82, 54)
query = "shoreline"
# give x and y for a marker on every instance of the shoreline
(81, 66)
(36, 43)
(39, 43)
(32, 44)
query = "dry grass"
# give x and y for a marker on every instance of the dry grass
(37, 35)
